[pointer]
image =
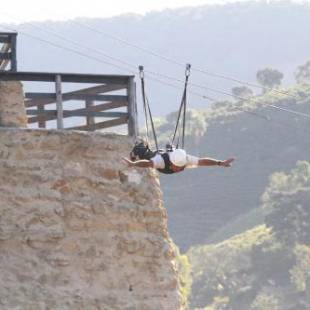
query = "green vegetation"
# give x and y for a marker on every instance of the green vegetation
(265, 301)
(286, 202)
(302, 74)
(263, 140)
(265, 262)
(293, 96)
(268, 266)
(242, 91)
(222, 271)
(197, 121)
(269, 77)
(196, 126)
(242, 223)
(300, 276)
(184, 270)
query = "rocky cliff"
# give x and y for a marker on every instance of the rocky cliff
(78, 229)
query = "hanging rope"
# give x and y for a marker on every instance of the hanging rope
(147, 110)
(182, 110)
(181, 113)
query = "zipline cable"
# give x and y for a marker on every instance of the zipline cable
(69, 49)
(76, 43)
(151, 72)
(202, 96)
(163, 57)
(179, 63)
(228, 94)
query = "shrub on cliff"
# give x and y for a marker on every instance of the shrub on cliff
(184, 270)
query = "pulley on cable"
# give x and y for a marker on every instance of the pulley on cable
(142, 148)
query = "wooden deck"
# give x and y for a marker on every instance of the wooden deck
(97, 99)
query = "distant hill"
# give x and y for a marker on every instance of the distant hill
(266, 267)
(233, 39)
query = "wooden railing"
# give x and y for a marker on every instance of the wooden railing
(97, 99)
(8, 50)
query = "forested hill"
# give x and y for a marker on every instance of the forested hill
(233, 39)
(212, 204)
(266, 267)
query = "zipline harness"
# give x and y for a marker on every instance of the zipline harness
(181, 118)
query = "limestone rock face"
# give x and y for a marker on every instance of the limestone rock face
(78, 229)
(12, 108)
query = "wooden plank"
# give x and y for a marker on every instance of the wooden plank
(8, 33)
(97, 97)
(4, 56)
(13, 53)
(111, 87)
(3, 64)
(69, 113)
(102, 125)
(42, 123)
(60, 124)
(5, 48)
(90, 120)
(95, 108)
(66, 97)
(131, 108)
(4, 39)
(90, 90)
(51, 97)
(65, 77)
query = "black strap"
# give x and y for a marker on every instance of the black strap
(167, 169)
(182, 109)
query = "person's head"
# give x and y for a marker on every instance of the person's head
(178, 159)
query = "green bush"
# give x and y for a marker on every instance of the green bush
(286, 202)
(300, 274)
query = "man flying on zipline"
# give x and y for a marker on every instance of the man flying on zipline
(176, 161)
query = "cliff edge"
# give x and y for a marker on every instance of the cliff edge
(78, 229)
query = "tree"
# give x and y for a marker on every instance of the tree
(286, 202)
(302, 74)
(265, 301)
(242, 91)
(196, 125)
(269, 78)
(184, 271)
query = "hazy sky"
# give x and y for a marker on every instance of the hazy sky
(35, 10)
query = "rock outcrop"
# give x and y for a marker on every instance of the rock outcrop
(78, 229)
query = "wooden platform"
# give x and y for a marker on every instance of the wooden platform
(98, 99)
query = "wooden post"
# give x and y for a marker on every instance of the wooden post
(90, 120)
(132, 109)
(60, 120)
(13, 52)
(41, 116)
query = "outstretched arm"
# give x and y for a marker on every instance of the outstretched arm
(139, 163)
(215, 162)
